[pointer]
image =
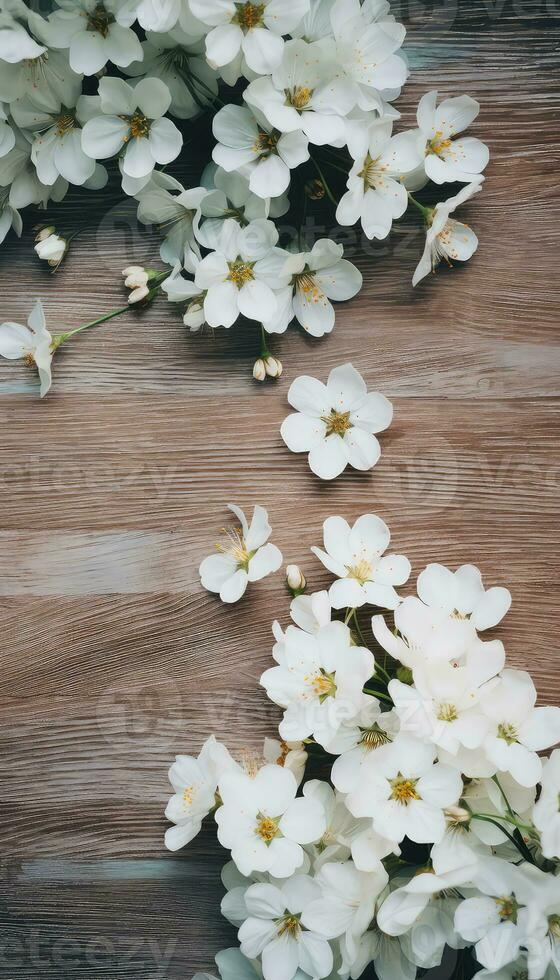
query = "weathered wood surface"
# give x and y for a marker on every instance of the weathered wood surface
(113, 489)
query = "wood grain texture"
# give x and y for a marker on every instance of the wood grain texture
(114, 488)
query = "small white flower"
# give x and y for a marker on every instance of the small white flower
(290, 755)
(424, 634)
(462, 593)
(232, 198)
(263, 824)
(546, 812)
(175, 211)
(251, 145)
(335, 423)
(33, 343)
(273, 366)
(311, 612)
(90, 31)
(376, 194)
(51, 248)
(245, 557)
(240, 276)
(133, 120)
(489, 920)
(447, 158)
(405, 792)
(179, 62)
(274, 930)
(447, 238)
(136, 278)
(57, 144)
(254, 29)
(355, 556)
(295, 579)
(517, 729)
(318, 681)
(195, 782)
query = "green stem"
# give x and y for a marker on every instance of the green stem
(378, 694)
(328, 191)
(417, 204)
(264, 349)
(516, 823)
(349, 613)
(358, 630)
(519, 844)
(63, 337)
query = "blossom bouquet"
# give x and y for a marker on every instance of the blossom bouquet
(436, 835)
(299, 96)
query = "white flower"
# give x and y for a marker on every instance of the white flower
(51, 248)
(290, 755)
(250, 144)
(517, 729)
(232, 965)
(89, 29)
(16, 44)
(546, 812)
(240, 276)
(447, 158)
(376, 195)
(7, 135)
(357, 740)
(57, 145)
(295, 579)
(319, 681)
(315, 278)
(311, 612)
(355, 556)
(48, 73)
(32, 342)
(262, 822)
(347, 904)
(255, 29)
(179, 62)
(447, 238)
(490, 919)
(232, 198)
(303, 93)
(405, 792)
(424, 634)
(175, 211)
(133, 120)
(159, 15)
(274, 930)
(540, 892)
(246, 557)
(462, 593)
(195, 782)
(340, 826)
(335, 423)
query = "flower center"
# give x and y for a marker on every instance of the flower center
(289, 924)
(138, 125)
(100, 20)
(507, 908)
(267, 828)
(64, 123)
(240, 272)
(265, 143)
(437, 144)
(372, 171)
(447, 712)
(373, 737)
(554, 926)
(249, 15)
(188, 795)
(337, 422)
(298, 97)
(508, 732)
(323, 684)
(29, 359)
(361, 571)
(236, 547)
(404, 790)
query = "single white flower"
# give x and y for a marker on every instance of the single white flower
(133, 121)
(159, 16)
(447, 158)
(304, 93)
(447, 238)
(335, 423)
(462, 593)
(314, 279)
(355, 556)
(250, 144)
(57, 132)
(274, 930)
(290, 755)
(491, 920)
(245, 557)
(240, 276)
(263, 824)
(546, 812)
(51, 247)
(318, 681)
(88, 28)
(357, 740)
(405, 792)
(179, 62)
(33, 343)
(424, 634)
(311, 612)
(254, 29)
(195, 782)
(232, 198)
(517, 729)
(175, 211)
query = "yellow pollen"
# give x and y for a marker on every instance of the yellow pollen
(437, 144)
(447, 712)
(236, 547)
(404, 790)
(361, 571)
(29, 359)
(240, 272)
(373, 737)
(372, 171)
(188, 795)
(337, 422)
(266, 829)
(507, 908)
(323, 684)
(100, 20)
(299, 97)
(249, 15)
(265, 144)
(138, 125)
(64, 124)
(290, 924)
(507, 732)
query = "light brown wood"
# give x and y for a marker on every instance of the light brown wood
(115, 486)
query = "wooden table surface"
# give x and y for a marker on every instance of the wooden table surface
(115, 486)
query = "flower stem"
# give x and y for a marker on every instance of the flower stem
(63, 337)
(424, 210)
(264, 349)
(519, 843)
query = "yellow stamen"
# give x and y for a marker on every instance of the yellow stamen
(267, 828)
(298, 97)
(404, 790)
(240, 272)
(249, 15)
(337, 422)
(100, 20)
(447, 712)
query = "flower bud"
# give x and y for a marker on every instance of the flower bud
(273, 366)
(457, 814)
(51, 248)
(44, 233)
(404, 675)
(138, 294)
(135, 276)
(295, 580)
(259, 370)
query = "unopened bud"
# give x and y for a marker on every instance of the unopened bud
(404, 675)
(295, 580)
(138, 294)
(457, 814)
(135, 276)
(259, 370)
(273, 366)
(315, 190)
(51, 247)
(44, 232)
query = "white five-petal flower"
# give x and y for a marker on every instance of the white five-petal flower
(33, 343)
(446, 158)
(245, 557)
(447, 238)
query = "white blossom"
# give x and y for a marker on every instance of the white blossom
(447, 238)
(446, 158)
(244, 557)
(89, 29)
(33, 343)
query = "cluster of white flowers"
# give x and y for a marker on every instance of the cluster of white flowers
(438, 828)
(319, 78)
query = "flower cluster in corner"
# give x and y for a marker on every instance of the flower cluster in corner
(299, 97)
(438, 827)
